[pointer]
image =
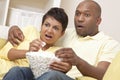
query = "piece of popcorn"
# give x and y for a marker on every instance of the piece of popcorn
(43, 44)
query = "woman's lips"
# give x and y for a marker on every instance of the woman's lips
(48, 36)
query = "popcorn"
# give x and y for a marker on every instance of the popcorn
(43, 44)
(40, 61)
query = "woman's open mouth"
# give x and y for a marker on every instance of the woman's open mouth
(48, 36)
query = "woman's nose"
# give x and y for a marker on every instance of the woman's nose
(49, 29)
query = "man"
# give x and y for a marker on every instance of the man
(92, 51)
(13, 34)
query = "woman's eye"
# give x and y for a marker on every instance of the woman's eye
(47, 25)
(56, 28)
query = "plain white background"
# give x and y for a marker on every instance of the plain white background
(110, 15)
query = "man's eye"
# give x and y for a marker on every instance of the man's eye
(77, 14)
(87, 15)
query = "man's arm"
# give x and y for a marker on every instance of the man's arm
(92, 71)
(68, 55)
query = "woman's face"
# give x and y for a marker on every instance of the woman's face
(51, 30)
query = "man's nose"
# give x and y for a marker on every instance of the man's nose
(81, 18)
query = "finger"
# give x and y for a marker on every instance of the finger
(59, 52)
(67, 60)
(58, 69)
(20, 36)
(64, 55)
(63, 50)
(33, 49)
(35, 43)
(61, 66)
(13, 41)
(34, 46)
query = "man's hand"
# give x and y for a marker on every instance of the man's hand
(15, 35)
(67, 55)
(61, 66)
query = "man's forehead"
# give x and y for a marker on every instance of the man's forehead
(87, 4)
(87, 7)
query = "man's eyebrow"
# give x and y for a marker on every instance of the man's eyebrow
(87, 10)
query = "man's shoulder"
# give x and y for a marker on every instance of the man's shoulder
(108, 40)
(103, 36)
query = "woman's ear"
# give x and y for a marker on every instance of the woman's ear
(63, 32)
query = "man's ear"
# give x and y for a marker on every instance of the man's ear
(98, 21)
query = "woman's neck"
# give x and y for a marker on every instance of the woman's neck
(47, 46)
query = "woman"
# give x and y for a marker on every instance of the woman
(53, 26)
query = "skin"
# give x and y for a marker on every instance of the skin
(87, 18)
(15, 35)
(51, 31)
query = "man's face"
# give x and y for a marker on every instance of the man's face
(86, 20)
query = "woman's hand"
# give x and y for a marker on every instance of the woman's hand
(35, 45)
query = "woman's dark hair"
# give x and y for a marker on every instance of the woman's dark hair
(59, 14)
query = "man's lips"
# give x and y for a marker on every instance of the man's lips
(80, 27)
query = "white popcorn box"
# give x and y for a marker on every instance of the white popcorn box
(40, 61)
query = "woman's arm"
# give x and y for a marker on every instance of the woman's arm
(14, 54)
